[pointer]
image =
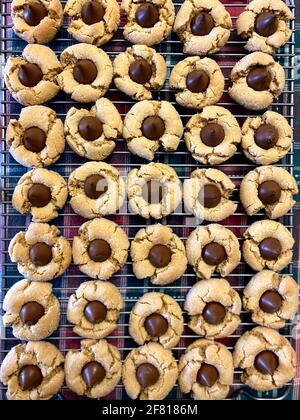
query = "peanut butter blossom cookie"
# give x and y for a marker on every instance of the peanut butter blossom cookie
(32, 371)
(257, 80)
(213, 248)
(265, 25)
(266, 139)
(267, 358)
(156, 317)
(271, 298)
(86, 72)
(214, 308)
(203, 26)
(32, 78)
(96, 189)
(138, 71)
(36, 21)
(149, 372)
(92, 133)
(41, 193)
(268, 188)
(36, 138)
(93, 21)
(31, 309)
(213, 135)
(268, 244)
(207, 194)
(206, 370)
(94, 370)
(153, 190)
(151, 124)
(94, 309)
(100, 249)
(159, 254)
(40, 252)
(148, 22)
(198, 82)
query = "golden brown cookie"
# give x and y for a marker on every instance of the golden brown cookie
(268, 188)
(267, 358)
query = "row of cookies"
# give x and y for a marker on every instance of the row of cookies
(205, 370)
(37, 137)
(213, 307)
(85, 72)
(202, 25)
(101, 249)
(153, 190)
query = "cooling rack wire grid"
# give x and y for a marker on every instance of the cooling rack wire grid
(180, 222)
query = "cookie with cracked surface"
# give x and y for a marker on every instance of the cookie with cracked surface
(213, 248)
(93, 21)
(256, 81)
(151, 124)
(268, 188)
(94, 370)
(36, 138)
(86, 72)
(41, 193)
(154, 190)
(213, 135)
(40, 252)
(159, 254)
(271, 298)
(138, 71)
(32, 371)
(206, 370)
(94, 309)
(267, 358)
(268, 245)
(31, 310)
(93, 133)
(207, 194)
(198, 82)
(214, 308)
(266, 139)
(148, 22)
(96, 190)
(156, 317)
(265, 25)
(100, 249)
(149, 372)
(36, 21)
(32, 78)
(203, 26)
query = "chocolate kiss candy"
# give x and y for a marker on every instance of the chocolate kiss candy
(30, 377)
(92, 12)
(160, 256)
(266, 362)
(140, 71)
(30, 74)
(156, 325)
(147, 15)
(33, 13)
(31, 312)
(99, 250)
(270, 302)
(207, 375)
(270, 249)
(266, 24)
(202, 24)
(34, 139)
(40, 254)
(95, 312)
(147, 375)
(93, 373)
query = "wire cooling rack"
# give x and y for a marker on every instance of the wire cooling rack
(180, 222)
